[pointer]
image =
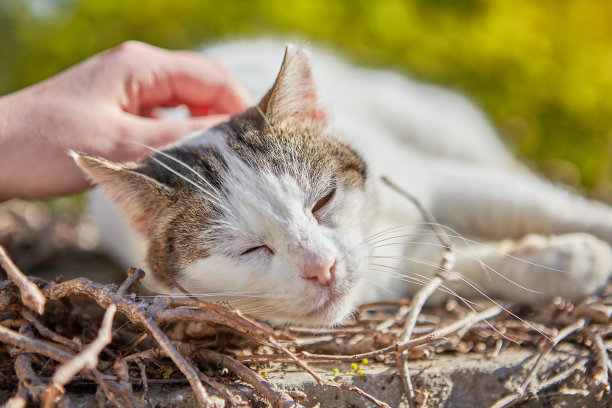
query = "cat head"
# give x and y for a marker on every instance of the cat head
(266, 211)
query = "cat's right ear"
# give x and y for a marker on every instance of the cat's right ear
(293, 95)
(140, 197)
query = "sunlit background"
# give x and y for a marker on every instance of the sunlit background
(542, 70)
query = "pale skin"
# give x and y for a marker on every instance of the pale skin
(106, 106)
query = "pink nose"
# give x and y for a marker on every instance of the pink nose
(321, 273)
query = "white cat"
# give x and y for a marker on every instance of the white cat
(282, 213)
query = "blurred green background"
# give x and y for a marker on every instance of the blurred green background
(542, 70)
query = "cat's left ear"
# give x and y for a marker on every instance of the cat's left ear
(293, 94)
(141, 198)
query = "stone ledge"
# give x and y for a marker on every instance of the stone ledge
(450, 381)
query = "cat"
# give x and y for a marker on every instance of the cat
(282, 213)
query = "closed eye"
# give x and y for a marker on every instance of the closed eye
(258, 248)
(321, 203)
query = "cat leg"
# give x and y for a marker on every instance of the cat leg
(530, 270)
(496, 205)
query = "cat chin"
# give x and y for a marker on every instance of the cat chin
(323, 321)
(331, 313)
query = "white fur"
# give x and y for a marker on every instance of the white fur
(436, 145)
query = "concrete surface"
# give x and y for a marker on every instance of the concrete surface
(449, 381)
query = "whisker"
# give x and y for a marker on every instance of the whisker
(469, 304)
(455, 234)
(413, 231)
(182, 163)
(365, 242)
(269, 310)
(480, 292)
(378, 285)
(196, 185)
(209, 295)
(485, 267)
(388, 230)
(397, 273)
(253, 294)
(208, 194)
(437, 266)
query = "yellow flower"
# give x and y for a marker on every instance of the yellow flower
(364, 361)
(336, 371)
(361, 373)
(354, 366)
(166, 371)
(264, 374)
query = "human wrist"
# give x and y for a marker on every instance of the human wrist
(5, 114)
(26, 155)
(8, 117)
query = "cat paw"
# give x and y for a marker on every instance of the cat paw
(569, 265)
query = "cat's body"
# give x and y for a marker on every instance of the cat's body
(296, 212)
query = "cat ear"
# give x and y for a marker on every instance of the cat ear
(140, 197)
(293, 94)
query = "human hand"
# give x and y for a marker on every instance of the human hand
(101, 105)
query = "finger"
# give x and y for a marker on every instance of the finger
(191, 79)
(201, 111)
(158, 112)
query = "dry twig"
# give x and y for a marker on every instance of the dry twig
(13, 338)
(173, 282)
(566, 331)
(468, 321)
(602, 357)
(277, 398)
(88, 358)
(522, 393)
(418, 301)
(304, 355)
(592, 396)
(31, 296)
(187, 368)
(27, 376)
(40, 328)
(563, 375)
